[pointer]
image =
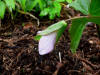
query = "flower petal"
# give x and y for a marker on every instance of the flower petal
(46, 43)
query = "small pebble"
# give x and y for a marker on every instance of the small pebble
(91, 42)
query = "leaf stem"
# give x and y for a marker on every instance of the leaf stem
(76, 18)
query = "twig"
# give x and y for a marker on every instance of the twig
(60, 57)
(58, 66)
(70, 71)
(88, 62)
(97, 73)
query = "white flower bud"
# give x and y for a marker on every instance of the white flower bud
(47, 43)
(67, 6)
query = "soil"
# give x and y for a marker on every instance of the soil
(19, 51)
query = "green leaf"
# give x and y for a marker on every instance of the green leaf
(52, 13)
(41, 4)
(69, 1)
(76, 30)
(2, 9)
(30, 4)
(60, 0)
(81, 5)
(54, 10)
(53, 28)
(10, 4)
(37, 37)
(60, 32)
(18, 1)
(94, 9)
(23, 4)
(95, 20)
(44, 12)
(57, 8)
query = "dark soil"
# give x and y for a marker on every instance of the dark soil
(19, 51)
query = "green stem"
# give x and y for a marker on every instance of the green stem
(76, 18)
(27, 13)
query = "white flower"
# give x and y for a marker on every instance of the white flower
(47, 43)
(67, 6)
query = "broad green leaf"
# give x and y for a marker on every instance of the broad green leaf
(60, 32)
(60, 0)
(95, 20)
(81, 5)
(23, 2)
(69, 1)
(30, 4)
(94, 9)
(52, 13)
(2, 9)
(18, 1)
(10, 4)
(49, 2)
(54, 10)
(44, 12)
(57, 8)
(53, 28)
(41, 4)
(76, 30)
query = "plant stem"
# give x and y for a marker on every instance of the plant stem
(27, 13)
(76, 18)
(97, 26)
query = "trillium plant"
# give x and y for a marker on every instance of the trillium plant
(50, 36)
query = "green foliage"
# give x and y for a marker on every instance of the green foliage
(46, 7)
(94, 9)
(22, 3)
(69, 1)
(52, 28)
(81, 5)
(10, 4)
(30, 4)
(88, 7)
(52, 8)
(76, 30)
(95, 20)
(2, 9)
(57, 27)
(60, 31)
